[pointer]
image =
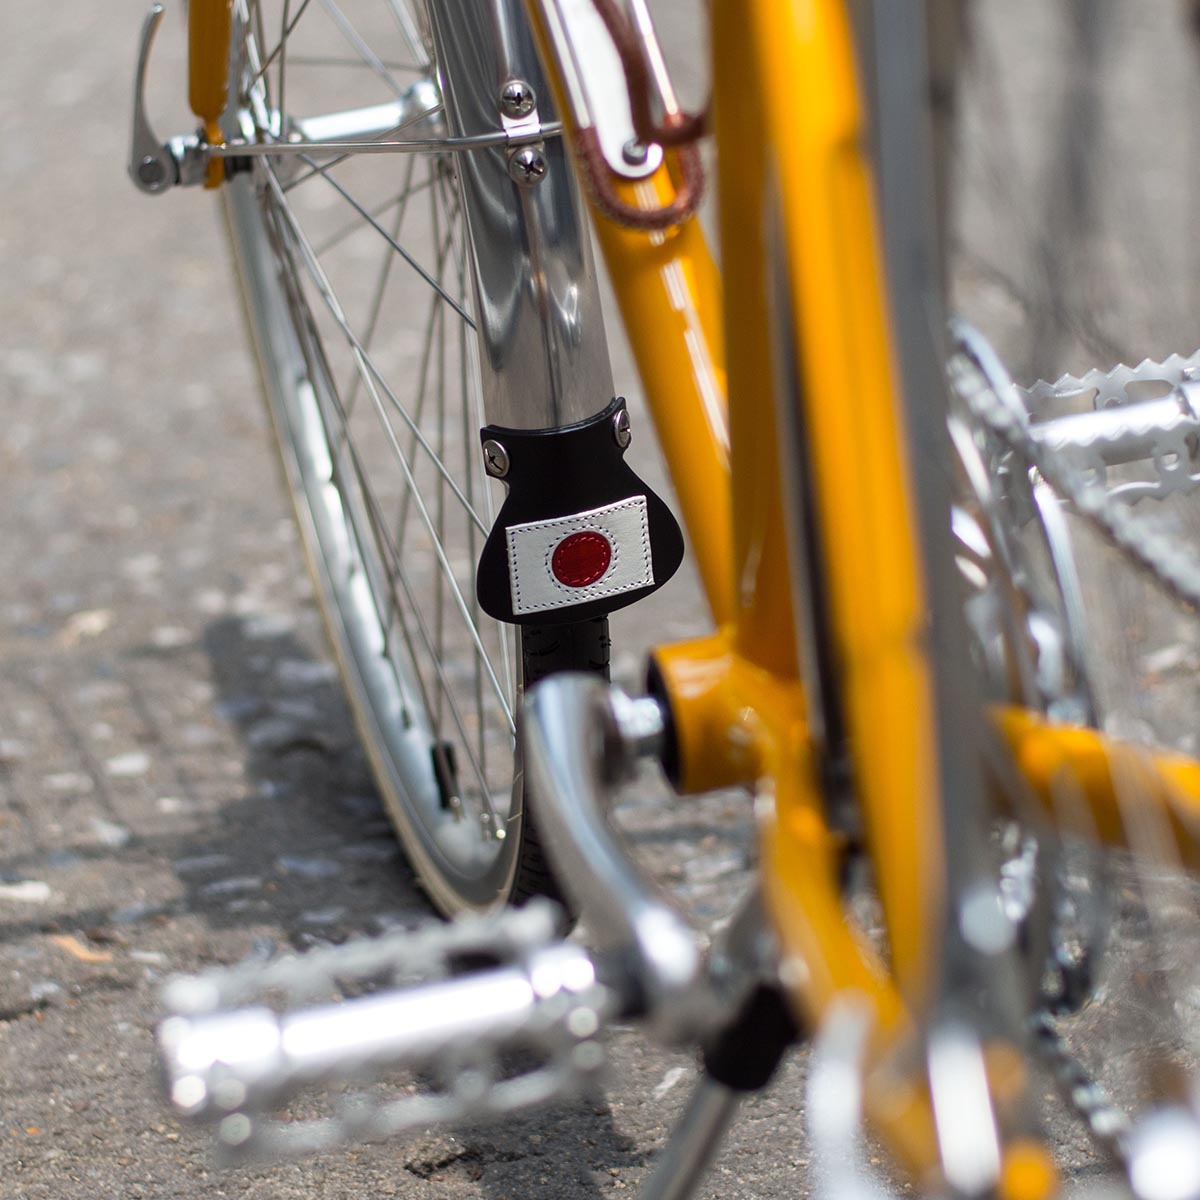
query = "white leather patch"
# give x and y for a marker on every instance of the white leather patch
(531, 547)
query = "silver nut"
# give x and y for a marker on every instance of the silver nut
(517, 99)
(495, 459)
(635, 153)
(527, 165)
(621, 430)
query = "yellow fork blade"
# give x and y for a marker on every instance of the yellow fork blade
(209, 24)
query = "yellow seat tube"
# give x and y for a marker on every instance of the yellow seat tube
(668, 290)
(786, 95)
(209, 26)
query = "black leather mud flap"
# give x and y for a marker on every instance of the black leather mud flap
(579, 535)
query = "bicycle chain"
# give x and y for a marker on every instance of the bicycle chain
(981, 384)
(1108, 1124)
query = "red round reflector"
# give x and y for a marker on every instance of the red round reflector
(581, 558)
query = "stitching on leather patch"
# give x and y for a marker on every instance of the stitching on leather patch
(531, 546)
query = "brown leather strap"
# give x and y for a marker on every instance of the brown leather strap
(599, 182)
(678, 129)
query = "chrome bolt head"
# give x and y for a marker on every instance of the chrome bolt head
(527, 165)
(151, 171)
(622, 433)
(517, 99)
(495, 459)
(635, 153)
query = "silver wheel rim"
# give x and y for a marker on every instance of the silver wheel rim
(378, 429)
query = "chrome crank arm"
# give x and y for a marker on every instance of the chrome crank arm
(240, 1043)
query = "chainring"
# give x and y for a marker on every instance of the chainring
(1025, 611)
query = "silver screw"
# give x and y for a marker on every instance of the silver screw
(621, 430)
(517, 99)
(527, 165)
(495, 459)
(635, 153)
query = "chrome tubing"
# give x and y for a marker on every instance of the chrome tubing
(543, 355)
(576, 749)
(694, 1142)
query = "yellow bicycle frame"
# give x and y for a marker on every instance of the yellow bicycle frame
(797, 185)
(800, 316)
(737, 698)
(209, 23)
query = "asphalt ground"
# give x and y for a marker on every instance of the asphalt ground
(179, 778)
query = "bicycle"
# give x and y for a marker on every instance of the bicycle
(833, 688)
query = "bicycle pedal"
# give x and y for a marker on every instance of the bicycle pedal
(489, 989)
(1146, 416)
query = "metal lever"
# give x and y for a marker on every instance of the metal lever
(154, 165)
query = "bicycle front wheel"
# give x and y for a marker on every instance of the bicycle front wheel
(357, 271)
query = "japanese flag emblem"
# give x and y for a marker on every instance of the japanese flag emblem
(580, 558)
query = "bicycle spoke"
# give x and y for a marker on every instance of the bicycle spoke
(395, 575)
(285, 33)
(471, 467)
(396, 578)
(373, 383)
(450, 203)
(364, 51)
(398, 612)
(385, 270)
(348, 230)
(422, 393)
(408, 29)
(322, 168)
(408, 258)
(439, 611)
(310, 60)
(260, 42)
(327, 295)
